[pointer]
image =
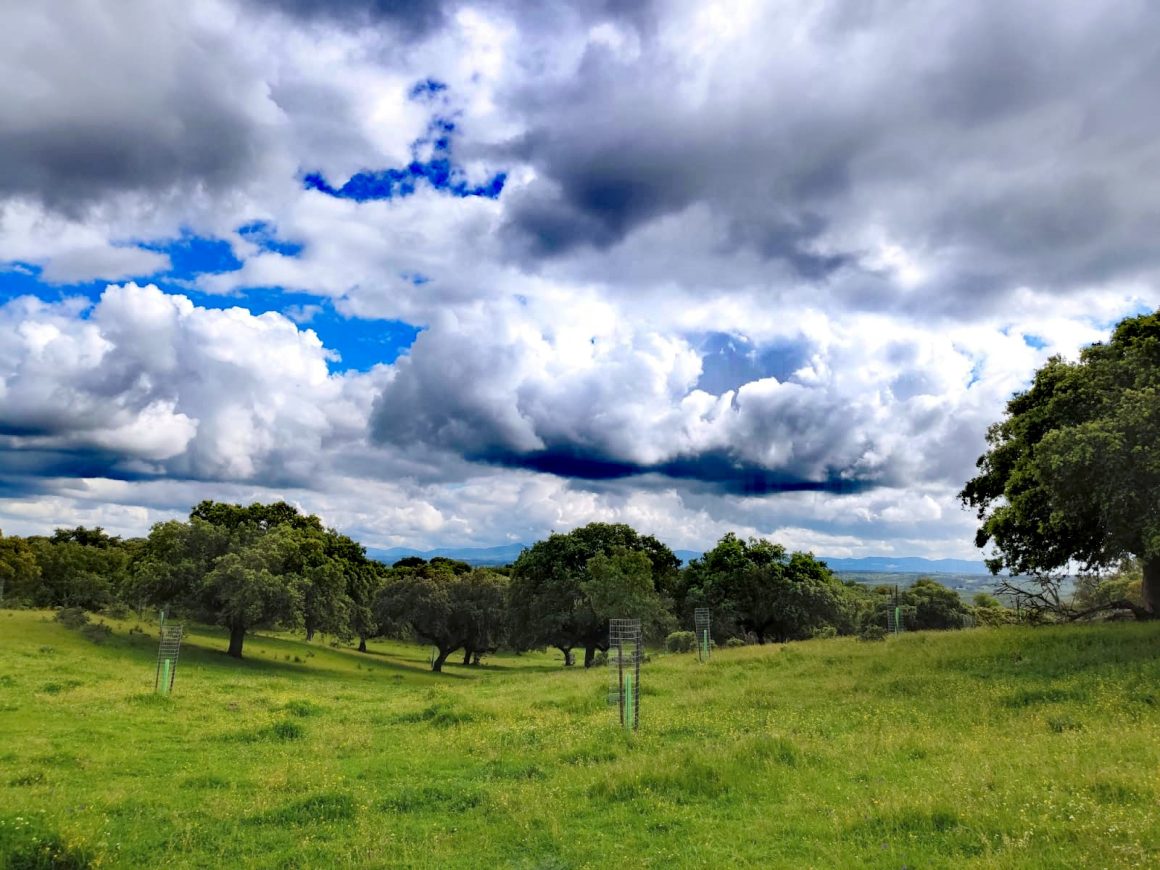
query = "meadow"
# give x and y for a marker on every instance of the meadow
(1006, 747)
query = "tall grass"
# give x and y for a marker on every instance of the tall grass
(1008, 747)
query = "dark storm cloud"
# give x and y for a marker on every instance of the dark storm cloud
(22, 468)
(713, 471)
(412, 17)
(464, 390)
(420, 18)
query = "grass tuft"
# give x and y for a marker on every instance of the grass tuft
(322, 808)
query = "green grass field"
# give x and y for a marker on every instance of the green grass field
(986, 748)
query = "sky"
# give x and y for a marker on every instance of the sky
(464, 273)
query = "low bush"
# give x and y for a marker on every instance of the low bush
(117, 610)
(681, 641)
(72, 617)
(872, 631)
(97, 633)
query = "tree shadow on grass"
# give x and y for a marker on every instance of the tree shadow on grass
(205, 647)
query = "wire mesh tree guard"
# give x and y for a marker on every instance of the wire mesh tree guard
(704, 638)
(625, 650)
(895, 621)
(167, 652)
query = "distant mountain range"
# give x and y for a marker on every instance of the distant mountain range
(507, 553)
(479, 556)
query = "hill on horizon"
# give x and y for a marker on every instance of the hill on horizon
(505, 554)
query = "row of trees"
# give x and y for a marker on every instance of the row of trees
(271, 566)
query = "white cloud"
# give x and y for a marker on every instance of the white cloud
(152, 377)
(814, 178)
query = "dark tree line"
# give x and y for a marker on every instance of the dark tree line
(270, 566)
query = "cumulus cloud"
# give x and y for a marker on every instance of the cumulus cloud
(768, 267)
(147, 384)
(868, 403)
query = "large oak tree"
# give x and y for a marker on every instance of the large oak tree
(1072, 473)
(550, 604)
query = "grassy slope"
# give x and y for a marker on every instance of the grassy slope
(987, 748)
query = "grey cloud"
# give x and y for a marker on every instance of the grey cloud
(1011, 145)
(412, 17)
(100, 99)
(419, 18)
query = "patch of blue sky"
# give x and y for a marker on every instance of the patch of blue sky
(265, 235)
(359, 344)
(437, 169)
(1035, 341)
(731, 361)
(440, 173)
(23, 279)
(192, 255)
(426, 89)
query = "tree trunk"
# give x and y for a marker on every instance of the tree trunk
(589, 654)
(475, 657)
(1151, 586)
(309, 633)
(362, 643)
(467, 655)
(237, 637)
(568, 659)
(437, 665)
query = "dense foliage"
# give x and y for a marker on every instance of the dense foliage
(275, 567)
(564, 588)
(448, 608)
(755, 587)
(1072, 473)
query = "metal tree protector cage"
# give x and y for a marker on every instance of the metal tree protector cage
(625, 650)
(703, 631)
(167, 652)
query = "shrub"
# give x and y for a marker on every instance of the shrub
(72, 617)
(734, 642)
(681, 641)
(98, 633)
(287, 730)
(872, 631)
(302, 708)
(117, 610)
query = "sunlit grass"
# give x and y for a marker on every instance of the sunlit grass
(986, 748)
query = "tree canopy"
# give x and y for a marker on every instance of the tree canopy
(1072, 472)
(245, 567)
(757, 587)
(448, 610)
(550, 605)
